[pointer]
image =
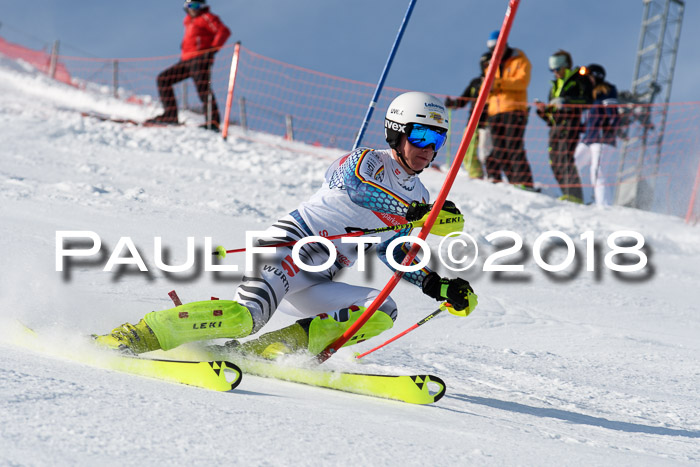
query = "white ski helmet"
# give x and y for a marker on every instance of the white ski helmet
(413, 107)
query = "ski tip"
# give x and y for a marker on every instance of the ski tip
(237, 371)
(443, 387)
(430, 390)
(25, 328)
(230, 373)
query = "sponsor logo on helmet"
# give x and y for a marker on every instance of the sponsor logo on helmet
(394, 126)
(396, 111)
(432, 106)
(436, 116)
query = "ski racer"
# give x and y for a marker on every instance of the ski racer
(367, 187)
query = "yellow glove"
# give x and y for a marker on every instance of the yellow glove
(449, 220)
(461, 299)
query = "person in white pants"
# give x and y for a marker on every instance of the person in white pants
(597, 147)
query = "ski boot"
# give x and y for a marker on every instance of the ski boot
(212, 126)
(571, 199)
(313, 335)
(163, 119)
(167, 329)
(130, 339)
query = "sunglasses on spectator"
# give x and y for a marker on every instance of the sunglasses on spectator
(421, 136)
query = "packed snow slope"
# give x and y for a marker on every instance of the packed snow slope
(575, 367)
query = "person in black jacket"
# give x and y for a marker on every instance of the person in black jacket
(597, 147)
(570, 90)
(471, 162)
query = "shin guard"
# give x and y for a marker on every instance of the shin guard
(324, 329)
(210, 319)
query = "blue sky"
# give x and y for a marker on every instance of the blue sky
(352, 39)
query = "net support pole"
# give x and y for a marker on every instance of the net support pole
(385, 72)
(442, 196)
(693, 195)
(243, 117)
(115, 78)
(231, 85)
(53, 60)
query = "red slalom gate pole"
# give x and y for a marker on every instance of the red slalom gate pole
(231, 85)
(447, 185)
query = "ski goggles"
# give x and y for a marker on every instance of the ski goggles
(195, 6)
(421, 136)
(557, 61)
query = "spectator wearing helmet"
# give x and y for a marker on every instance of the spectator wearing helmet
(481, 143)
(507, 117)
(570, 90)
(369, 188)
(597, 147)
(204, 35)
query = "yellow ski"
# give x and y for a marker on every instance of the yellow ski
(214, 375)
(217, 375)
(414, 389)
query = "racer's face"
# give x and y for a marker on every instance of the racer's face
(416, 158)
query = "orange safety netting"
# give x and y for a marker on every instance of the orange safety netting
(37, 58)
(646, 168)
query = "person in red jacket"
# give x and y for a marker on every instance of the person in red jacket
(205, 34)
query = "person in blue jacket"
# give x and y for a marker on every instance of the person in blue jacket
(597, 147)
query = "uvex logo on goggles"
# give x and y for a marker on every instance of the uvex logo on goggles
(394, 126)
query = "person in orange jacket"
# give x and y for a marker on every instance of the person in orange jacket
(205, 34)
(507, 117)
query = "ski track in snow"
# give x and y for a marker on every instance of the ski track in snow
(567, 368)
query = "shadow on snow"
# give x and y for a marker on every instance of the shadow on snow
(573, 417)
